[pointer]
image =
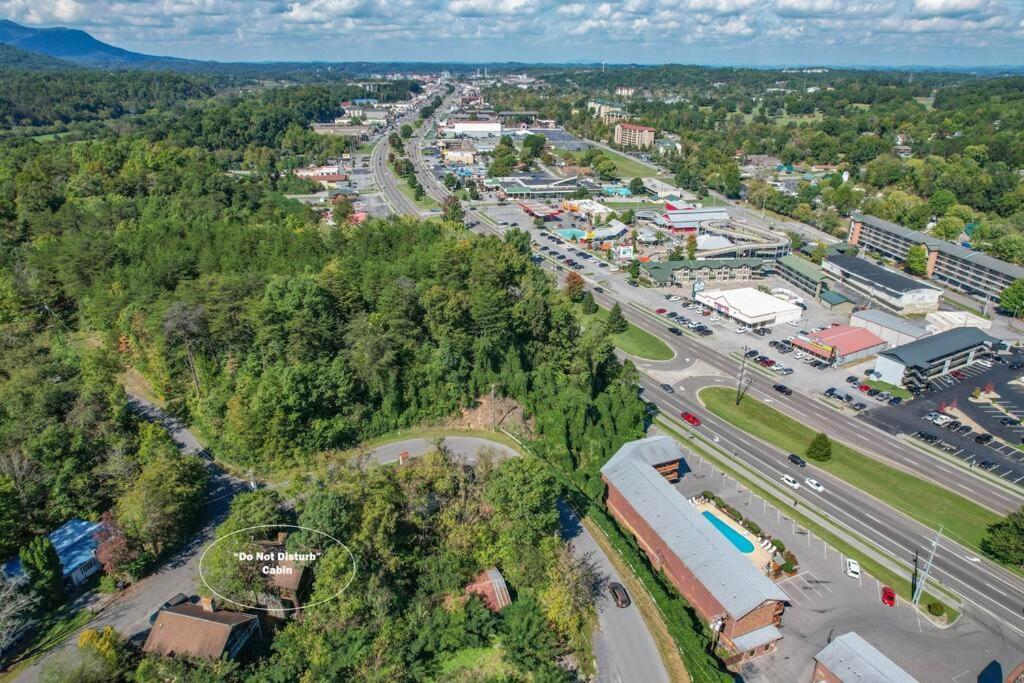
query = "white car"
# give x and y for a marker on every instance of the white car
(742, 330)
(852, 568)
(714, 319)
(942, 420)
(984, 363)
(675, 298)
(790, 481)
(814, 485)
(817, 329)
(799, 355)
(778, 368)
(793, 323)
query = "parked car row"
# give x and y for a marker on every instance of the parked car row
(832, 392)
(877, 394)
(953, 425)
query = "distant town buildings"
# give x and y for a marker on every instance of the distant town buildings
(633, 135)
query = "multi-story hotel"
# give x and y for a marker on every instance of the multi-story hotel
(958, 267)
(633, 135)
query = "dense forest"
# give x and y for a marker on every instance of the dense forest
(965, 133)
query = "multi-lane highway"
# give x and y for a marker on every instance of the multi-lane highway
(993, 596)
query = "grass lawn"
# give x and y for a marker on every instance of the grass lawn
(426, 203)
(366, 148)
(634, 341)
(898, 581)
(891, 388)
(964, 307)
(626, 167)
(474, 662)
(53, 631)
(963, 520)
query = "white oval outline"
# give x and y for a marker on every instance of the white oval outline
(275, 609)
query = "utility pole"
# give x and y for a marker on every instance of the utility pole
(919, 586)
(742, 377)
(493, 425)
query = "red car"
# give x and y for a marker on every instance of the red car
(957, 374)
(864, 387)
(661, 311)
(888, 596)
(691, 419)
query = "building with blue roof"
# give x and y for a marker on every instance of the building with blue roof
(75, 543)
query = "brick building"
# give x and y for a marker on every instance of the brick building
(851, 659)
(632, 135)
(726, 590)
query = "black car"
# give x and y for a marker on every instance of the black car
(783, 389)
(602, 265)
(873, 392)
(1009, 421)
(619, 594)
(673, 330)
(797, 460)
(673, 314)
(860, 406)
(705, 332)
(668, 388)
(178, 599)
(1016, 366)
(983, 438)
(895, 401)
(987, 465)
(762, 331)
(954, 425)
(852, 379)
(751, 354)
(830, 392)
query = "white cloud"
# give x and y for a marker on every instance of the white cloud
(952, 8)
(808, 8)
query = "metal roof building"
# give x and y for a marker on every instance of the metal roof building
(928, 358)
(851, 659)
(889, 288)
(688, 548)
(896, 331)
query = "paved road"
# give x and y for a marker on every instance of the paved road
(463, 448)
(624, 648)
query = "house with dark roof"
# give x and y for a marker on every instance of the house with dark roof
(75, 543)
(201, 631)
(888, 288)
(951, 264)
(742, 605)
(684, 272)
(851, 659)
(921, 361)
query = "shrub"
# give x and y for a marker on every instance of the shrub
(936, 609)
(790, 557)
(708, 495)
(820, 448)
(779, 545)
(753, 527)
(734, 513)
(788, 568)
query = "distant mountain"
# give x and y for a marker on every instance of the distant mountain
(74, 46)
(16, 58)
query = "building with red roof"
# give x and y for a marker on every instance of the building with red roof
(633, 135)
(841, 344)
(491, 588)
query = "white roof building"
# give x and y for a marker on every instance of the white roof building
(750, 306)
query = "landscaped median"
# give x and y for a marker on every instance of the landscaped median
(962, 520)
(634, 341)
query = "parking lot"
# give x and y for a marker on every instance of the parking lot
(824, 602)
(1000, 457)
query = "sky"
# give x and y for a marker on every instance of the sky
(721, 32)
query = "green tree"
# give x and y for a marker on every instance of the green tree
(160, 507)
(1005, 539)
(948, 228)
(12, 524)
(636, 186)
(574, 286)
(819, 253)
(1011, 300)
(43, 569)
(616, 323)
(691, 246)
(916, 261)
(587, 304)
(451, 210)
(529, 644)
(406, 131)
(820, 448)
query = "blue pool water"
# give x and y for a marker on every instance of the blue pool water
(570, 234)
(737, 539)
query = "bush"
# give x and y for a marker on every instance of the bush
(779, 545)
(734, 513)
(820, 448)
(788, 568)
(108, 584)
(936, 609)
(753, 527)
(708, 495)
(790, 558)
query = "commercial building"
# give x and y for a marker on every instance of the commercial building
(593, 211)
(851, 659)
(458, 151)
(685, 273)
(750, 306)
(897, 292)
(75, 543)
(200, 631)
(951, 264)
(661, 189)
(802, 274)
(357, 132)
(527, 186)
(633, 135)
(840, 344)
(919, 362)
(470, 128)
(739, 602)
(894, 330)
(683, 218)
(537, 209)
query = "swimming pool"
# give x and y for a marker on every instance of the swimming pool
(735, 537)
(570, 234)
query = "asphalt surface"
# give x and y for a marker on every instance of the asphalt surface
(993, 596)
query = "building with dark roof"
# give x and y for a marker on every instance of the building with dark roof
(851, 659)
(951, 264)
(200, 631)
(802, 274)
(893, 290)
(928, 358)
(725, 589)
(684, 273)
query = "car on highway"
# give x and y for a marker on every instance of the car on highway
(789, 481)
(797, 460)
(888, 596)
(674, 330)
(619, 594)
(814, 485)
(852, 568)
(668, 388)
(599, 290)
(690, 418)
(178, 599)
(783, 389)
